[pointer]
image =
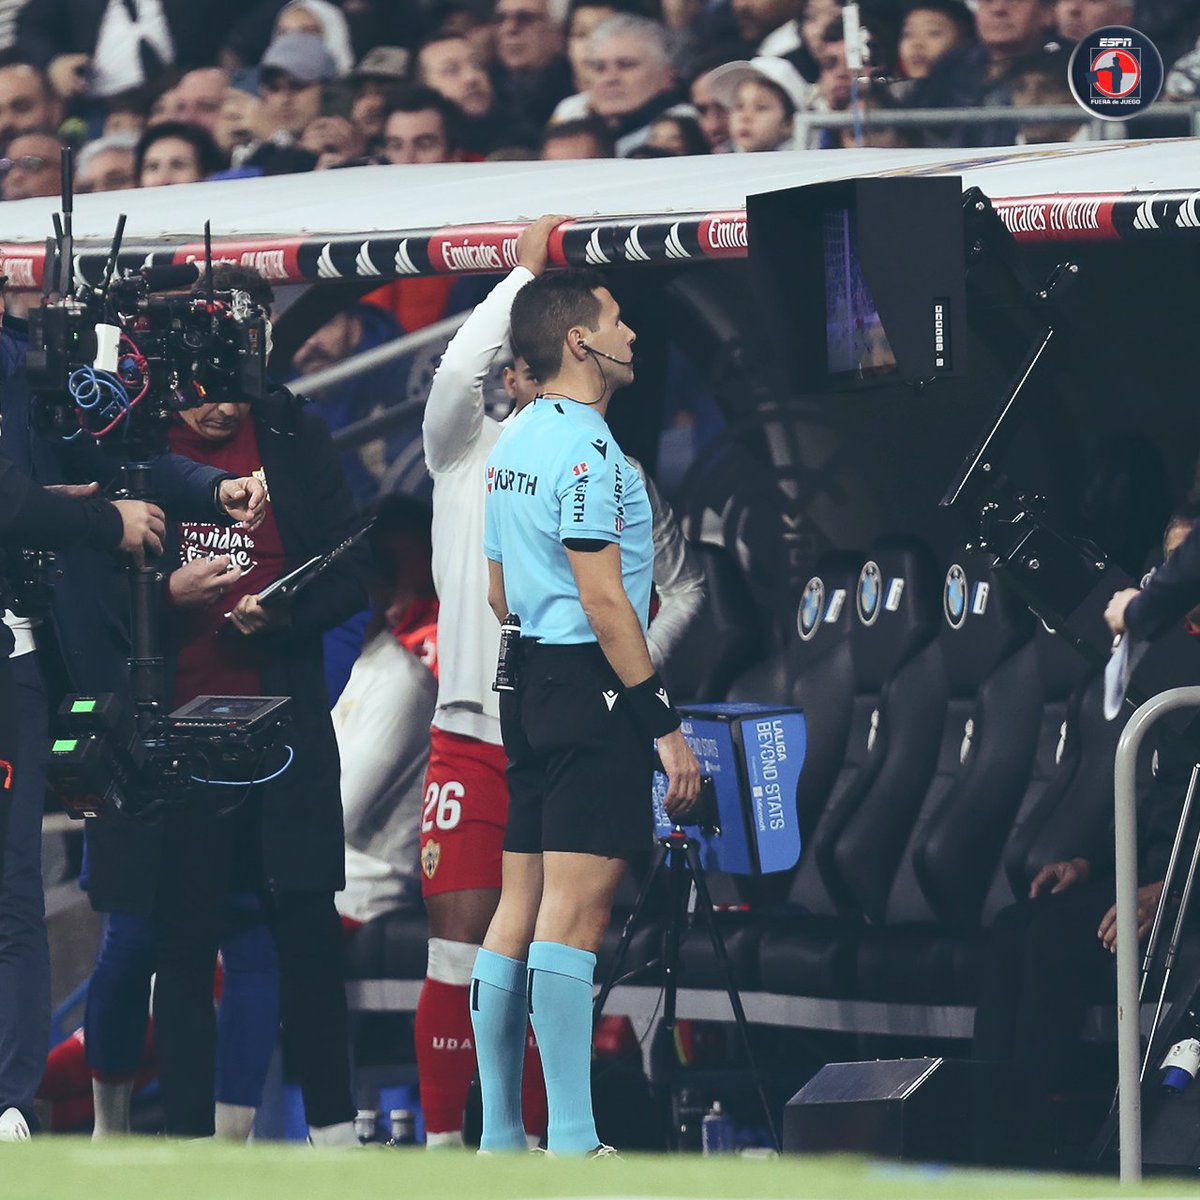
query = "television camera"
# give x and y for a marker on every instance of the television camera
(114, 363)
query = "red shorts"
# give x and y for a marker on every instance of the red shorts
(462, 815)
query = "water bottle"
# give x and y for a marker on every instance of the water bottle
(1182, 1061)
(716, 1133)
(404, 1127)
(508, 662)
(689, 1116)
(365, 1121)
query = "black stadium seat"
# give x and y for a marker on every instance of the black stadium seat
(390, 947)
(1063, 673)
(898, 703)
(989, 741)
(808, 948)
(821, 666)
(913, 951)
(727, 635)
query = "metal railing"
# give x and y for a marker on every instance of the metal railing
(322, 381)
(1072, 114)
(1129, 1096)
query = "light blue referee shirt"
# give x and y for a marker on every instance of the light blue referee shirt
(555, 473)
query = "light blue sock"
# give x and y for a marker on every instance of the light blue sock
(498, 1016)
(560, 1007)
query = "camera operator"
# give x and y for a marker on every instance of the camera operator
(570, 552)
(462, 838)
(87, 622)
(286, 841)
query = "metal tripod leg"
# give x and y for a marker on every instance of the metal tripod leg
(1108, 1130)
(704, 903)
(614, 971)
(1173, 945)
(677, 915)
(1168, 882)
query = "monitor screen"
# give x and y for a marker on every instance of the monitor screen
(856, 345)
(229, 708)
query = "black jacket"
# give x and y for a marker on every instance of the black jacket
(1172, 592)
(90, 616)
(48, 28)
(302, 839)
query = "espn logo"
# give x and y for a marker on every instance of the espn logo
(1107, 42)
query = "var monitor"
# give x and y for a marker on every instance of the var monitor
(862, 281)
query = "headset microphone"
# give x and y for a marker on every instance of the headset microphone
(621, 362)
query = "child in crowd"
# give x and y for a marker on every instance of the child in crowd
(762, 97)
(930, 29)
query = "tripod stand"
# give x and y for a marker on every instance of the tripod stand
(678, 856)
(146, 666)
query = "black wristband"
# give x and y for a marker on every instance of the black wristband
(652, 707)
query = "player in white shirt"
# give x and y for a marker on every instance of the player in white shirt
(466, 799)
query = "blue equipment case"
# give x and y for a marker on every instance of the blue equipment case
(754, 754)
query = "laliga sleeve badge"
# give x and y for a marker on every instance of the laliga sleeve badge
(431, 855)
(1115, 73)
(812, 605)
(870, 593)
(954, 597)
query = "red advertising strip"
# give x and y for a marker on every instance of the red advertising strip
(659, 238)
(277, 260)
(479, 248)
(723, 235)
(22, 265)
(1061, 218)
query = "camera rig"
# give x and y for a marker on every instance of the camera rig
(114, 363)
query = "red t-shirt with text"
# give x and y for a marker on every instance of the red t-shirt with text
(215, 659)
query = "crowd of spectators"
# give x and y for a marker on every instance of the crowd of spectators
(156, 92)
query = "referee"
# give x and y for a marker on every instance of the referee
(569, 546)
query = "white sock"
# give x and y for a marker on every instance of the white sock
(452, 1139)
(111, 1101)
(341, 1134)
(234, 1122)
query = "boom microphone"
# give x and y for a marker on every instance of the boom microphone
(621, 362)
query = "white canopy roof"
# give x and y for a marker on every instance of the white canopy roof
(363, 200)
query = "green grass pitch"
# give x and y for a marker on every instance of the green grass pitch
(154, 1169)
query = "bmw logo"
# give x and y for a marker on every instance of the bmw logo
(954, 597)
(870, 593)
(812, 605)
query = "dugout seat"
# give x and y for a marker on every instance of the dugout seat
(813, 671)
(988, 742)
(808, 948)
(392, 947)
(726, 636)
(1064, 676)
(988, 739)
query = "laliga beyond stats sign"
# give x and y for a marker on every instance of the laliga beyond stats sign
(754, 755)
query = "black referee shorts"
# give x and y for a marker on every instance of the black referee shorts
(579, 768)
